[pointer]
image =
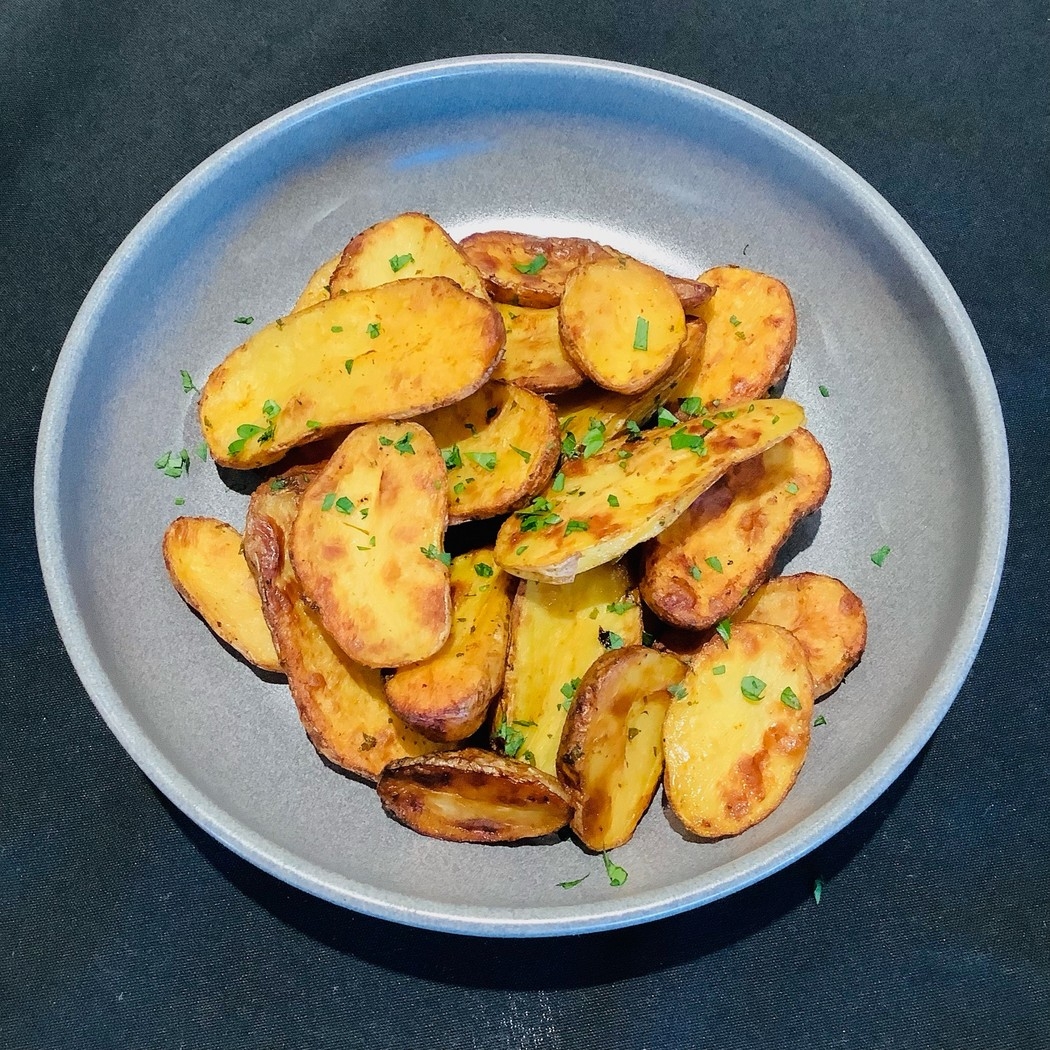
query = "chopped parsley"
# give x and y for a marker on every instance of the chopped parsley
(313, 424)
(337, 328)
(594, 438)
(789, 698)
(179, 501)
(612, 500)
(692, 406)
(403, 446)
(328, 502)
(399, 262)
(344, 505)
(435, 555)
(824, 392)
(384, 440)
(513, 739)
(534, 265)
(521, 452)
(187, 382)
(714, 563)
(459, 488)
(752, 688)
(792, 488)
(278, 483)
(373, 330)
(573, 882)
(174, 465)
(617, 875)
(678, 690)
(452, 458)
(522, 549)
(537, 514)
(559, 482)
(485, 460)
(634, 430)
(879, 556)
(619, 607)
(734, 320)
(720, 669)
(202, 451)
(247, 431)
(694, 571)
(820, 720)
(740, 335)
(348, 364)
(483, 569)
(568, 689)
(818, 889)
(243, 320)
(575, 525)
(371, 543)
(694, 442)
(664, 418)
(568, 446)
(641, 334)
(609, 639)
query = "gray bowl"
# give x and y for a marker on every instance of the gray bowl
(677, 174)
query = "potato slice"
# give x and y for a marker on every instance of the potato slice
(366, 545)
(556, 633)
(390, 352)
(735, 741)
(750, 335)
(631, 490)
(621, 323)
(825, 616)
(318, 286)
(701, 567)
(611, 752)
(447, 697)
(534, 357)
(473, 796)
(204, 560)
(408, 245)
(341, 704)
(501, 446)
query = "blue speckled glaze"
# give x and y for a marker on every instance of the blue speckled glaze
(677, 174)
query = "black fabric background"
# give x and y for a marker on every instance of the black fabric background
(122, 925)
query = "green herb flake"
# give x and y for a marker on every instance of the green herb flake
(752, 688)
(792, 488)
(485, 460)
(678, 690)
(568, 689)
(328, 502)
(734, 320)
(385, 441)
(528, 756)
(243, 320)
(370, 545)
(270, 408)
(820, 720)
(879, 557)
(818, 889)
(692, 406)
(609, 639)
(522, 549)
(559, 482)
(573, 882)
(187, 382)
(277, 484)
(694, 442)
(694, 571)
(521, 452)
(179, 501)
(789, 699)
(337, 328)
(435, 555)
(617, 875)
(399, 262)
(373, 330)
(724, 629)
(163, 461)
(714, 563)
(348, 364)
(534, 265)
(483, 569)
(313, 424)
(619, 607)
(513, 739)
(719, 669)
(775, 420)
(612, 500)
(634, 429)
(344, 505)
(403, 446)
(824, 392)
(648, 638)
(740, 335)
(575, 525)
(568, 446)
(632, 732)
(364, 512)
(536, 515)
(452, 457)
(666, 419)
(594, 438)
(641, 334)
(459, 488)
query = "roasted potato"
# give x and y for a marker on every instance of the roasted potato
(447, 696)
(534, 357)
(825, 616)
(750, 336)
(501, 446)
(473, 796)
(611, 751)
(408, 245)
(367, 545)
(318, 286)
(204, 560)
(390, 352)
(621, 323)
(735, 740)
(556, 633)
(341, 704)
(702, 566)
(597, 508)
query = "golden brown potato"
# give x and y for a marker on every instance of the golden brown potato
(408, 245)
(621, 323)
(389, 352)
(473, 796)
(735, 740)
(367, 545)
(447, 696)
(204, 560)
(341, 704)
(701, 567)
(317, 287)
(597, 508)
(750, 335)
(534, 357)
(556, 633)
(825, 616)
(611, 752)
(500, 445)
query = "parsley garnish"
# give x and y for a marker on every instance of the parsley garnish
(452, 457)
(485, 460)
(719, 670)
(568, 445)
(609, 639)
(575, 525)
(384, 440)
(752, 687)
(328, 502)
(187, 382)
(617, 875)
(568, 689)
(734, 320)
(818, 888)
(172, 465)
(522, 549)
(714, 563)
(337, 328)
(612, 500)
(435, 555)
(459, 488)
(179, 501)
(371, 543)
(399, 262)
(521, 452)
(348, 364)
(692, 406)
(403, 445)
(246, 431)
(278, 483)
(879, 556)
(559, 482)
(574, 882)
(202, 451)
(483, 569)
(641, 334)
(513, 739)
(619, 607)
(694, 571)
(313, 424)
(824, 392)
(792, 488)
(678, 690)
(740, 335)
(534, 265)
(594, 438)
(634, 430)
(694, 442)
(724, 628)
(373, 330)
(243, 320)
(537, 513)
(820, 720)
(790, 699)
(666, 419)
(344, 505)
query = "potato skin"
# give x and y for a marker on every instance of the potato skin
(383, 598)
(474, 796)
(447, 696)
(204, 561)
(826, 617)
(743, 520)
(611, 752)
(341, 704)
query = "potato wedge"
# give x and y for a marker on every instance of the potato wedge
(556, 633)
(389, 352)
(501, 446)
(702, 566)
(750, 336)
(534, 357)
(825, 616)
(621, 323)
(367, 545)
(341, 704)
(318, 286)
(735, 741)
(611, 751)
(631, 490)
(473, 796)
(408, 245)
(204, 560)
(447, 696)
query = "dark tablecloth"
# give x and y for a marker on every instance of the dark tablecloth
(122, 924)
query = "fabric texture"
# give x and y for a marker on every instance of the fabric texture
(124, 925)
